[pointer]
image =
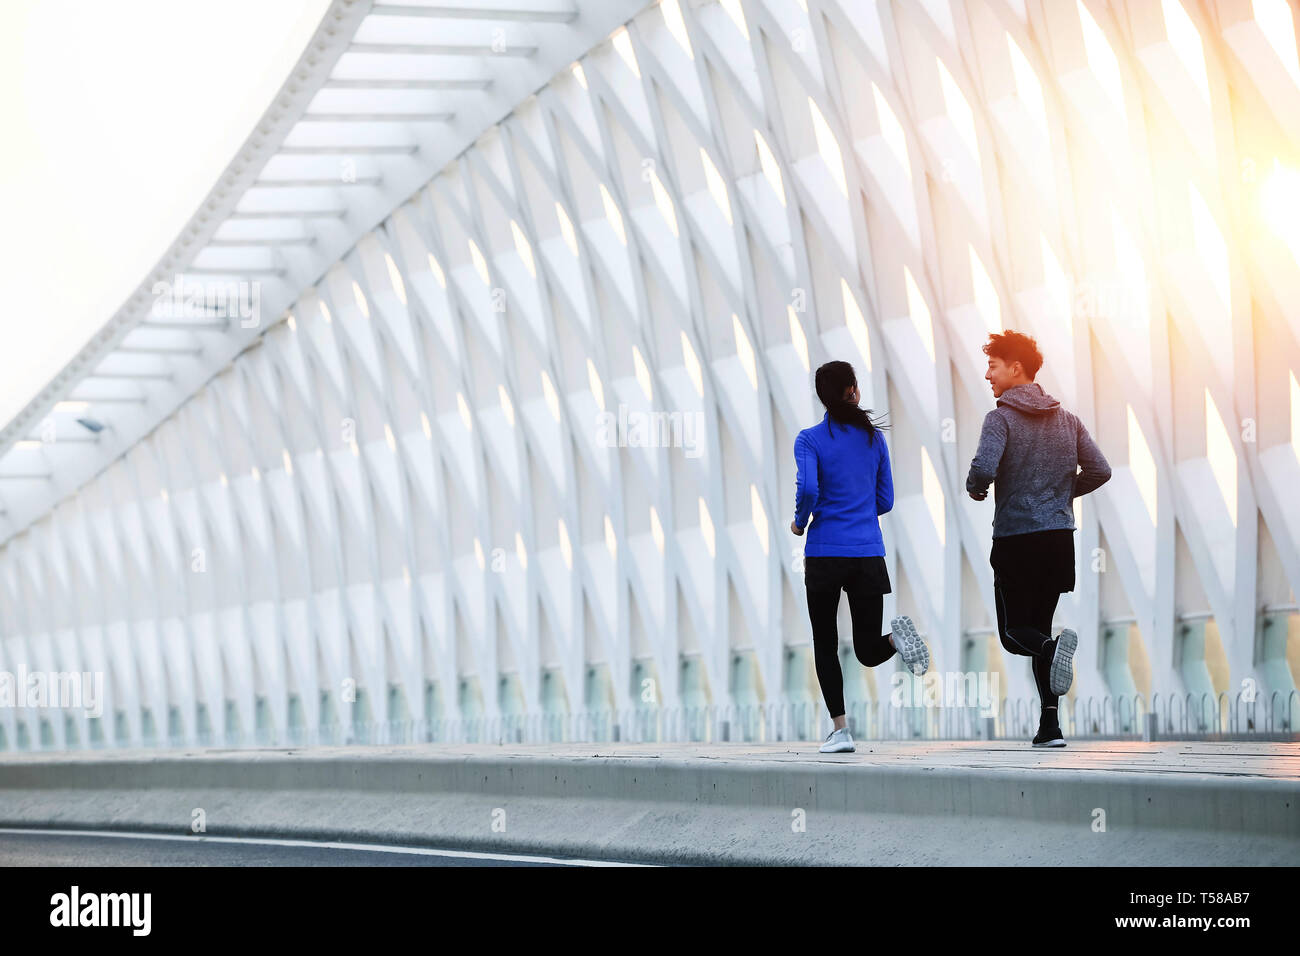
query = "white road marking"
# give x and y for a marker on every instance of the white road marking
(268, 841)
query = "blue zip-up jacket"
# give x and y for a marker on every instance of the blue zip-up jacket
(843, 480)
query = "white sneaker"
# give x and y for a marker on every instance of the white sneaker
(1061, 674)
(838, 742)
(915, 652)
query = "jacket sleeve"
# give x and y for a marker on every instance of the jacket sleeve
(993, 442)
(1096, 469)
(805, 481)
(884, 478)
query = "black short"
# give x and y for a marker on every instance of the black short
(1039, 560)
(837, 572)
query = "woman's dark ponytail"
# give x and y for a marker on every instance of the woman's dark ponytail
(831, 382)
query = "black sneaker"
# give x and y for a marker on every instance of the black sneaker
(1049, 735)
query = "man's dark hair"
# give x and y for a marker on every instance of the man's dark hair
(1011, 347)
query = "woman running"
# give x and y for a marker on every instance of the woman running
(843, 481)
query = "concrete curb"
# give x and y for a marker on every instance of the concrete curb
(662, 810)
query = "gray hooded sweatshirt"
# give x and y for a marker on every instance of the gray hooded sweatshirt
(1031, 449)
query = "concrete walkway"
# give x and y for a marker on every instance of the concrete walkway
(1161, 803)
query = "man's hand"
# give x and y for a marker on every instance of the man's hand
(980, 496)
(795, 528)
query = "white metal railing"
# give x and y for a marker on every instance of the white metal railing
(1125, 717)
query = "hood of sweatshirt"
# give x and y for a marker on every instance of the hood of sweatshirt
(1029, 398)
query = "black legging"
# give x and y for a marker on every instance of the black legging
(1024, 626)
(867, 609)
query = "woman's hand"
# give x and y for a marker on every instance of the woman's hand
(795, 528)
(979, 497)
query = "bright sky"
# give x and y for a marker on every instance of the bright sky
(118, 118)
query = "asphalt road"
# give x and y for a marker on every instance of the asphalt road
(40, 848)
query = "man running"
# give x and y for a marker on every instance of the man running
(1031, 449)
